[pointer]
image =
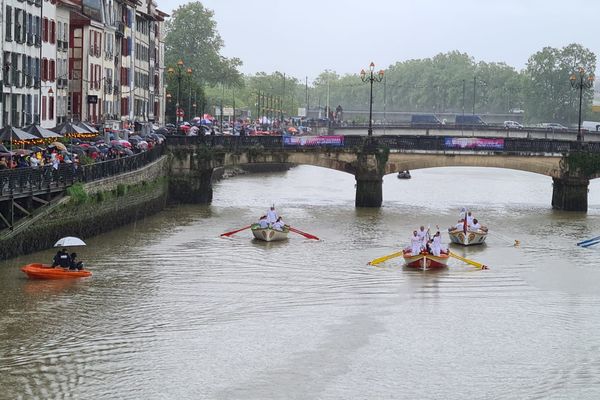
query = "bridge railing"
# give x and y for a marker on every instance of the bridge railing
(45, 179)
(399, 142)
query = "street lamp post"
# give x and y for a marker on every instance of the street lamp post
(581, 80)
(178, 73)
(189, 74)
(371, 77)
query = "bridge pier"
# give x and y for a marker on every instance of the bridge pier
(369, 192)
(369, 171)
(194, 188)
(570, 194)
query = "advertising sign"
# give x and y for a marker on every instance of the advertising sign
(474, 143)
(308, 141)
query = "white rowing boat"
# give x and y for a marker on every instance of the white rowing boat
(469, 238)
(269, 234)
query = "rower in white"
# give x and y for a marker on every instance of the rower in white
(415, 243)
(436, 244)
(279, 224)
(271, 215)
(423, 235)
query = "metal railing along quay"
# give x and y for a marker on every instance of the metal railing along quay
(18, 182)
(402, 143)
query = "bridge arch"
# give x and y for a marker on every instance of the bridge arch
(544, 165)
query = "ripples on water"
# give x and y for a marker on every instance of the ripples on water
(173, 311)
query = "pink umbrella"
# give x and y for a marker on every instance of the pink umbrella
(125, 143)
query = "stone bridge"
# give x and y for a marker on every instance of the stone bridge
(369, 160)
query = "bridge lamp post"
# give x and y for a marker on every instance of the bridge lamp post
(371, 77)
(178, 73)
(581, 80)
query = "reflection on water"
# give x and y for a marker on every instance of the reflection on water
(175, 311)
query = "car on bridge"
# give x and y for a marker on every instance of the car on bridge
(553, 126)
(512, 125)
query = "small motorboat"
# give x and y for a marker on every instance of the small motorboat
(471, 237)
(269, 234)
(424, 260)
(45, 271)
(404, 174)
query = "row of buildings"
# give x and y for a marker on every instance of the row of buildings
(100, 61)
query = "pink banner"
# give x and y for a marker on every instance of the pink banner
(474, 143)
(313, 140)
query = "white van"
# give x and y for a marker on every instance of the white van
(591, 126)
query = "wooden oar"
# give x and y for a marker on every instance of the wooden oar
(236, 231)
(306, 235)
(384, 258)
(473, 263)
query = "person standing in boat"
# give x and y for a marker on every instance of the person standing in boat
(415, 243)
(423, 235)
(436, 244)
(469, 219)
(271, 215)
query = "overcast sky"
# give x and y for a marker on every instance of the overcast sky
(303, 38)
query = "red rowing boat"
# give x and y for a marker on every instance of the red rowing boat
(45, 271)
(425, 260)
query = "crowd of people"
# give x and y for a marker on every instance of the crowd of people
(421, 241)
(271, 220)
(76, 152)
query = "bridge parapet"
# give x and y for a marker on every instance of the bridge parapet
(362, 157)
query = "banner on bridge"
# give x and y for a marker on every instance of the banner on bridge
(308, 141)
(474, 143)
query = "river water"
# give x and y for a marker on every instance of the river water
(173, 311)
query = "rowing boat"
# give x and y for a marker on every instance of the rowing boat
(269, 234)
(45, 271)
(425, 260)
(458, 236)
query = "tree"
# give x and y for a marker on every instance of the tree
(191, 36)
(548, 92)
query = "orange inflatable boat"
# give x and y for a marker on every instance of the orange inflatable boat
(45, 271)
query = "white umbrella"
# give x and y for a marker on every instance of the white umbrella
(69, 241)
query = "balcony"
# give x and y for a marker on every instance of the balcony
(38, 40)
(30, 38)
(37, 83)
(65, 45)
(28, 80)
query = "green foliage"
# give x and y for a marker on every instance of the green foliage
(191, 35)
(382, 156)
(77, 193)
(121, 190)
(85, 160)
(100, 197)
(549, 96)
(584, 163)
